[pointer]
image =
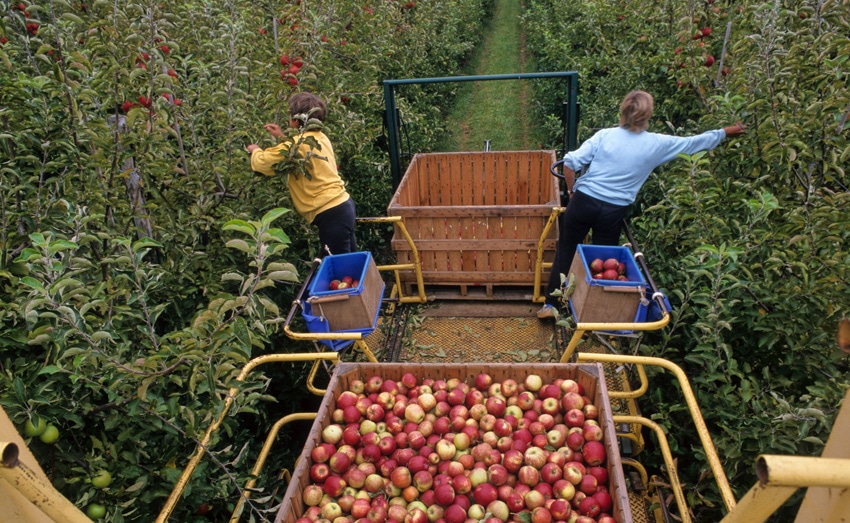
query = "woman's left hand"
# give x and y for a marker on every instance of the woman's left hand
(735, 130)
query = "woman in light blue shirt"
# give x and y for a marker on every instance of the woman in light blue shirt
(618, 161)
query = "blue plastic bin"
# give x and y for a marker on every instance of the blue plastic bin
(353, 309)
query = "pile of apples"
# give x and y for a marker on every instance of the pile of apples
(346, 282)
(444, 451)
(610, 269)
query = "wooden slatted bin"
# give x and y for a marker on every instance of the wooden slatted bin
(350, 376)
(476, 220)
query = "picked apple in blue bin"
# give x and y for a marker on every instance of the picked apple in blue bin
(610, 269)
(344, 283)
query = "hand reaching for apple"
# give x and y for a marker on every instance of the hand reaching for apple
(274, 130)
(735, 130)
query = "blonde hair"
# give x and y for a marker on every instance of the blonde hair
(636, 110)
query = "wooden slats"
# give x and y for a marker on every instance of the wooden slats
(476, 214)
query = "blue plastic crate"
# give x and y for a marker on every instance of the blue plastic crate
(353, 309)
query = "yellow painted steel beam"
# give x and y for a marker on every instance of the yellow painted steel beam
(758, 504)
(824, 504)
(691, 401)
(539, 264)
(803, 471)
(673, 474)
(174, 497)
(261, 459)
(25, 480)
(781, 476)
(581, 328)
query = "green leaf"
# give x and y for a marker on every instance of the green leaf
(241, 226)
(283, 276)
(272, 215)
(32, 283)
(241, 245)
(145, 243)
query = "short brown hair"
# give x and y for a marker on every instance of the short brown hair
(636, 110)
(303, 103)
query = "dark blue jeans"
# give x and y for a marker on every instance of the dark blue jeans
(336, 229)
(584, 213)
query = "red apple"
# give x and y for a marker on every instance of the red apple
(454, 514)
(334, 485)
(597, 265)
(611, 264)
(535, 457)
(401, 477)
(528, 475)
(590, 507)
(550, 473)
(541, 515)
(483, 381)
(463, 484)
(484, 494)
(600, 473)
(574, 417)
(594, 453)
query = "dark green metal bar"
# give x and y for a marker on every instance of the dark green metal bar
(570, 117)
(392, 131)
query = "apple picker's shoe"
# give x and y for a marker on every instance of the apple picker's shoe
(547, 311)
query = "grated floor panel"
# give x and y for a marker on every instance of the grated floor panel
(455, 339)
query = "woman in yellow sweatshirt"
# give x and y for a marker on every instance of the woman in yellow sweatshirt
(305, 155)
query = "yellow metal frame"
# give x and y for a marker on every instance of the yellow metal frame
(416, 266)
(582, 328)
(261, 459)
(539, 264)
(690, 399)
(180, 486)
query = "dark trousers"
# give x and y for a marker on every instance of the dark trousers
(336, 229)
(584, 213)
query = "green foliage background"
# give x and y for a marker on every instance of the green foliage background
(142, 263)
(124, 322)
(749, 240)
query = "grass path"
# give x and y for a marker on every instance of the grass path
(495, 110)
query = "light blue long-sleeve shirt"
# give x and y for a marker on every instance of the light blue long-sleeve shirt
(620, 160)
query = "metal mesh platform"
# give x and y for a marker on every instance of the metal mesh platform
(461, 332)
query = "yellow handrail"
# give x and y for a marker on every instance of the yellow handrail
(581, 328)
(668, 460)
(693, 407)
(261, 459)
(415, 266)
(539, 264)
(174, 497)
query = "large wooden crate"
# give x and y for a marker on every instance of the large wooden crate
(476, 218)
(589, 375)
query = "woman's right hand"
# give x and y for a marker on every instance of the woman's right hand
(274, 130)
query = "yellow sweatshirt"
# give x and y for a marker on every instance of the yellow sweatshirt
(324, 190)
